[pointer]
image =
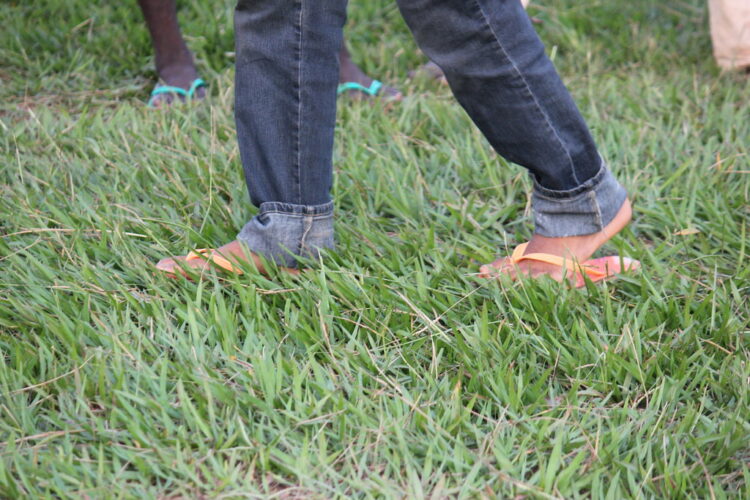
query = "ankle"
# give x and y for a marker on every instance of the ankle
(179, 77)
(582, 246)
(176, 65)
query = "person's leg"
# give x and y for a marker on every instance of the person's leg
(433, 71)
(730, 32)
(285, 109)
(174, 62)
(498, 71)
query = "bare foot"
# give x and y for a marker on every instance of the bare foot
(430, 70)
(576, 248)
(181, 75)
(350, 72)
(174, 62)
(178, 74)
(235, 252)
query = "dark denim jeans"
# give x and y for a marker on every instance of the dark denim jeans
(287, 72)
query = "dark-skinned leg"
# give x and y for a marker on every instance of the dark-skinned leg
(174, 62)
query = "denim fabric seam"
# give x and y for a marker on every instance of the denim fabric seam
(591, 207)
(575, 193)
(528, 90)
(292, 214)
(295, 209)
(297, 130)
(594, 201)
(575, 197)
(307, 226)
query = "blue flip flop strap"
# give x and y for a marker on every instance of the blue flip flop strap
(197, 83)
(372, 90)
(168, 89)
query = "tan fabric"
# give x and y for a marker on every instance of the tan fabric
(730, 32)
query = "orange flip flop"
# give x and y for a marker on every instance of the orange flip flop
(214, 257)
(598, 269)
(210, 255)
(207, 254)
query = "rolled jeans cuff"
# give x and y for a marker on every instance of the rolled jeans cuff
(586, 209)
(283, 232)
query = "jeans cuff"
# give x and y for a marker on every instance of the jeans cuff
(282, 232)
(586, 209)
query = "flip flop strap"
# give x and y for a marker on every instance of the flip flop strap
(169, 89)
(372, 90)
(197, 83)
(211, 256)
(555, 260)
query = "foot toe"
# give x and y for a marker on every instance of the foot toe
(166, 265)
(487, 271)
(171, 265)
(161, 101)
(495, 269)
(391, 94)
(629, 264)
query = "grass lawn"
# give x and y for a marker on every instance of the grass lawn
(389, 370)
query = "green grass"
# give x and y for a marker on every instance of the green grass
(389, 370)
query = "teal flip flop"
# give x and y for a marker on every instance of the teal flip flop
(372, 90)
(168, 89)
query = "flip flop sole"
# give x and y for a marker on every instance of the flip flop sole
(608, 267)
